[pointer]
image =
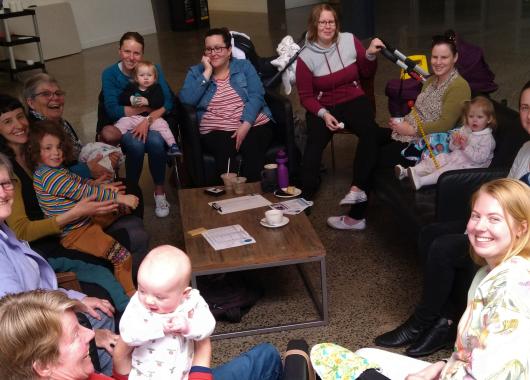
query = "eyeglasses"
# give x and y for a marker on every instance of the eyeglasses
(215, 49)
(49, 94)
(7, 185)
(325, 23)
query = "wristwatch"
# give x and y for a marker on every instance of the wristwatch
(149, 120)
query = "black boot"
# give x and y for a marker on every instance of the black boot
(405, 334)
(441, 335)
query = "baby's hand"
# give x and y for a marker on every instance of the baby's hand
(177, 325)
(128, 200)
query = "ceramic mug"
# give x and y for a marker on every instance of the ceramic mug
(274, 217)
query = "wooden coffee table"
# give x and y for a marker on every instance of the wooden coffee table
(294, 244)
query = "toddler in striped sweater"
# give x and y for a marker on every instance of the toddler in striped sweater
(58, 190)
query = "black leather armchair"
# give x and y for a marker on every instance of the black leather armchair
(449, 199)
(201, 166)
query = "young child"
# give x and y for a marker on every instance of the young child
(58, 190)
(165, 317)
(145, 91)
(471, 146)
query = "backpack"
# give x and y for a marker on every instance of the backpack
(229, 295)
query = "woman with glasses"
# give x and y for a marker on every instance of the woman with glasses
(22, 269)
(328, 74)
(228, 96)
(27, 219)
(45, 100)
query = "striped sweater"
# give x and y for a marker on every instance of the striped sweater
(58, 190)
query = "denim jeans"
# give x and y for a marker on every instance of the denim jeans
(260, 363)
(134, 149)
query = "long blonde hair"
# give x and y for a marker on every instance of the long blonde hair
(514, 199)
(30, 330)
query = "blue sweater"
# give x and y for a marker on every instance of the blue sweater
(114, 82)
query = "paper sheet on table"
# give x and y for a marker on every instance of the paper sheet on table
(228, 237)
(292, 206)
(246, 202)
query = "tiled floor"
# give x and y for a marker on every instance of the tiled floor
(374, 277)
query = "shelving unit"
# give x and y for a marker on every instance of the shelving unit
(12, 65)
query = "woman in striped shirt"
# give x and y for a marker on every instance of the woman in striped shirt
(232, 114)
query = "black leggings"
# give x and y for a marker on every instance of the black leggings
(222, 146)
(448, 271)
(374, 148)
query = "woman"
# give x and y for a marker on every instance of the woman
(140, 140)
(27, 219)
(45, 100)
(22, 269)
(328, 74)
(231, 111)
(448, 270)
(46, 342)
(493, 333)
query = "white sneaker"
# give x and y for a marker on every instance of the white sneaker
(400, 172)
(354, 197)
(161, 206)
(338, 223)
(416, 180)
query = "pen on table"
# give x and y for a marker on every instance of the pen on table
(217, 207)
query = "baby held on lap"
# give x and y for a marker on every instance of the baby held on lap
(165, 317)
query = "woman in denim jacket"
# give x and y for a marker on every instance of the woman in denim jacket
(231, 111)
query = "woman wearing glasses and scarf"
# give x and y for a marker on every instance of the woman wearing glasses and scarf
(231, 110)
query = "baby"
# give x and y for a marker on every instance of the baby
(145, 92)
(165, 317)
(471, 146)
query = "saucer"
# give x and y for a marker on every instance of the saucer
(264, 223)
(279, 194)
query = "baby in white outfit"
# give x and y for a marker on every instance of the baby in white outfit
(165, 317)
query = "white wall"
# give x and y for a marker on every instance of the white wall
(103, 21)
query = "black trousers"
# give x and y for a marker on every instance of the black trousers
(222, 146)
(448, 271)
(357, 116)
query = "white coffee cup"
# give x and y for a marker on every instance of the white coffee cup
(274, 217)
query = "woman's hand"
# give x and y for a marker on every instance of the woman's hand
(128, 200)
(375, 46)
(331, 122)
(431, 372)
(121, 359)
(106, 339)
(93, 303)
(241, 133)
(140, 131)
(403, 128)
(96, 170)
(114, 158)
(208, 68)
(86, 207)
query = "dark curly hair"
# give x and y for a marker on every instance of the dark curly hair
(37, 131)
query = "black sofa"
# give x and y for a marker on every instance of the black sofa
(449, 199)
(201, 166)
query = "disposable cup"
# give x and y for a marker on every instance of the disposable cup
(239, 185)
(228, 180)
